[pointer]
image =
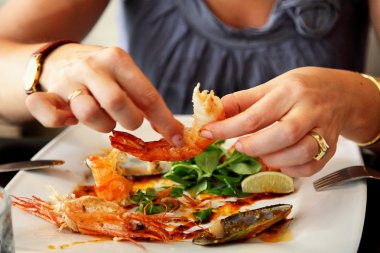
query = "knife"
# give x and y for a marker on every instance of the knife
(29, 165)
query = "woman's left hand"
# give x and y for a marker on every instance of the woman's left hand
(276, 119)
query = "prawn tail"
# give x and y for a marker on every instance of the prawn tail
(127, 142)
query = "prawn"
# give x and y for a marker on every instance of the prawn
(95, 216)
(109, 184)
(207, 108)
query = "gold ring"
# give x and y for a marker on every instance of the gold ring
(323, 146)
(76, 93)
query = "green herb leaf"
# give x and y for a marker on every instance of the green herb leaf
(176, 192)
(155, 208)
(204, 215)
(215, 171)
(246, 168)
(200, 187)
(232, 177)
(184, 174)
(150, 192)
(207, 161)
(140, 197)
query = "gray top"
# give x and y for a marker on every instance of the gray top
(178, 43)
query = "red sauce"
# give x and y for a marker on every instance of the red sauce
(64, 246)
(84, 190)
(179, 233)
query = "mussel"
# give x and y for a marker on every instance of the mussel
(242, 225)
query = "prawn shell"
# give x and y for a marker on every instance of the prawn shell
(245, 225)
(207, 108)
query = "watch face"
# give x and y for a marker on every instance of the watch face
(31, 75)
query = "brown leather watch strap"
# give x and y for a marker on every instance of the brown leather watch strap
(35, 64)
(47, 48)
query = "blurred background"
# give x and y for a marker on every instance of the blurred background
(106, 33)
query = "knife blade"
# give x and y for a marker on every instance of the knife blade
(29, 165)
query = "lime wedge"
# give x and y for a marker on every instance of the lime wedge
(268, 181)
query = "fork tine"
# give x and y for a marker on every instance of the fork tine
(329, 182)
(331, 175)
(333, 179)
(326, 179)
(345, 175)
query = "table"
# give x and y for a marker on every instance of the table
(24, 149)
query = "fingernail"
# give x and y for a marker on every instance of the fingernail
(177, 140)
(207, 134)
(239, 147)
(71, 121)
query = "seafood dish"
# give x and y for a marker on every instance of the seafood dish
(126, 208)
(92, 215)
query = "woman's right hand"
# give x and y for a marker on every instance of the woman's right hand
(276, 120)
(117, 92)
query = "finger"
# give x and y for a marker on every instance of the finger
(310, 168)
(88, 111)
(300, 153)
(288, 131)
(304, 170)
(263, 113)
(239, 101)
(114, 100)
(50, 110)
(146, 97)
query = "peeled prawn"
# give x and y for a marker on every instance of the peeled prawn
(207, 108)
(109, 184)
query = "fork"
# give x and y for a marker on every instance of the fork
(345, 175)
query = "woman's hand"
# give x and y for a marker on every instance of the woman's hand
(114, 90)
(277, 117)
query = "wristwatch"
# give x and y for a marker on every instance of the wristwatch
(34, 67)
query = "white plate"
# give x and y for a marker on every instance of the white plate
(329, 221)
